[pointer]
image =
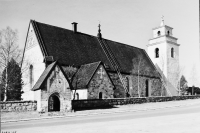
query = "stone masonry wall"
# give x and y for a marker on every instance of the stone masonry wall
(155, 86)
(98, 84)
(119, 91)
(15, 106)
(105, 103)
(58, 85)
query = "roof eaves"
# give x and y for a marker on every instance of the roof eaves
(40, 82)
(25, 43)
(37, 32)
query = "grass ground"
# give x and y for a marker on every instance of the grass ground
(18, 115)
(26, 115)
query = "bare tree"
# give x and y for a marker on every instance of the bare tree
(78, 80)
(74, 78)
(178, 72)
(70, 71)
(8, 50)
(139, 68)
(194, 77)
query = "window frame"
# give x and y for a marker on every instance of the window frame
(172, 53)
(31, 77)
(156, 52)
(158, 33)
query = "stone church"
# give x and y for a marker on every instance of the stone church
(63, 65)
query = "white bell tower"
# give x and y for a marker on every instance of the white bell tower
(163, 50)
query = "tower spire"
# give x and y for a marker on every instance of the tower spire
(162, 21)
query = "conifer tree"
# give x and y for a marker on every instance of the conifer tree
(183, 84)
(14, 82)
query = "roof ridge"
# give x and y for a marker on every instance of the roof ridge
(88, 35)
(64, 28)
(50, 25)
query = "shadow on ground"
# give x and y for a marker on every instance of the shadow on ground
(94, 108)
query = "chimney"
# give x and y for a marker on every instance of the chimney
(48, 60)
(74, 27)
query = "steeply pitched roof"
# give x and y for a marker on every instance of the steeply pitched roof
(75, 49)
(43, 76)
(84, 75)
(125, 55)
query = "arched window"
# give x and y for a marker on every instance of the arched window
(127, 83)
(172, 52)
(31, 79)
(100, 95)
(77, 96)
(156, 53)
(158, 33)
(168, 33)
(147, 87)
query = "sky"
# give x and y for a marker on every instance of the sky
(126, 21)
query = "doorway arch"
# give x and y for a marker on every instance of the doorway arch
(54, 103)
(100, 95)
